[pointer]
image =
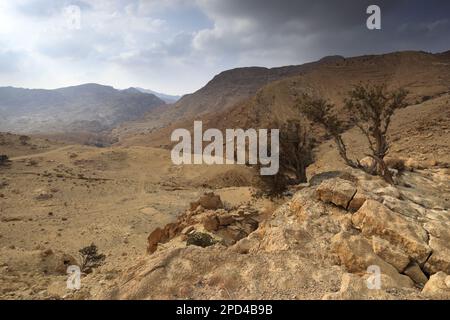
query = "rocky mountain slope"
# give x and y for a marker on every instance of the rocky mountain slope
(221, 93)
(426, 76)
(88, 107)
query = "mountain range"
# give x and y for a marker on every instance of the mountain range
(242, 97)
(88, 107)
(255, 97)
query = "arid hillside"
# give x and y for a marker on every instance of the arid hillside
(14, 145)
(426, 77)
(220, 94)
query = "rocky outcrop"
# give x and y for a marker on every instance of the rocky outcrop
(389, 253)
(314, 246)
(222, 226)
(208, 201)
(356, 254)
(439, 260)
(438, 287)
(337, 191)
(374, 219)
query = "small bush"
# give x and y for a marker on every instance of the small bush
(24, 140)
(200, 239)
(274, 186)
(3, 159)
(426, 98)
(90, 258)
(295, 155)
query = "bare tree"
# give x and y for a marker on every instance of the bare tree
(370, 108)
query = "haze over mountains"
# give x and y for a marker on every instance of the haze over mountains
(87, 107)
(166, 97)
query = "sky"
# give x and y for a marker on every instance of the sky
(177, 46)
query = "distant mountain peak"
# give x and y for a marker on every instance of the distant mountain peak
(133, 90)
(165, 97)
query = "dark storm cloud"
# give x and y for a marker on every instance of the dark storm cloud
(281, 31)
(178, 45)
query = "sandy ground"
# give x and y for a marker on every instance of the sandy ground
(69, 197)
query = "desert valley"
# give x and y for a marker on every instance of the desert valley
(86, 179)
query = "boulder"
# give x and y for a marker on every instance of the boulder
(368, 162)
(210, 201)
(388, 191)
(356, 254)
(232, 234)
(243, 246)
(56, 262)
(187, 230)
(375, 219)
(358, 200)
(211, 222)
(337, 191)
(153, 239)
(438, 287)
(57, 289)
(389, 253)
(249, 225)
(440, 243)
(400, 206)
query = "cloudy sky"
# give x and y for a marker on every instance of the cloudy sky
(176, 46)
